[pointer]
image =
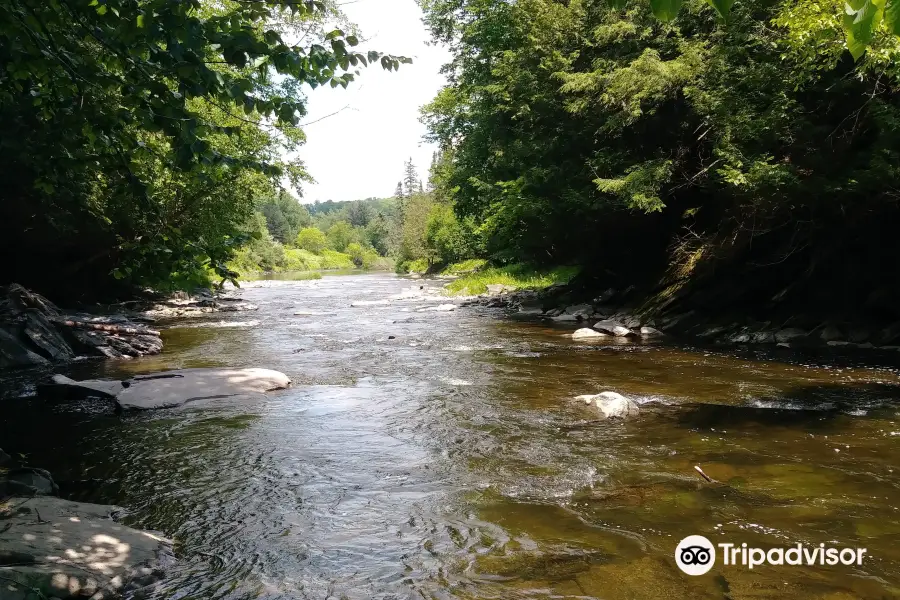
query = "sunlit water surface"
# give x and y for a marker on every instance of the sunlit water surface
(449, 461)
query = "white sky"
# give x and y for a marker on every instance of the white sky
(360, 152)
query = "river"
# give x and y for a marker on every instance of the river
(438, 455)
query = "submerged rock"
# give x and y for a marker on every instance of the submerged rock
(585, 334)
(176, 388)
(650, 332)
(53, 548)
(439, 308)
(611, 405)
(363, 303)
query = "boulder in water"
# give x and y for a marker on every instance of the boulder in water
(586, 334)
(176, 388)
(53, 548)
(611, 405)
(613, 328)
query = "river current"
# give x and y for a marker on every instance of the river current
(439, 455)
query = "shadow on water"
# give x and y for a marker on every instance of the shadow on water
(814, 407)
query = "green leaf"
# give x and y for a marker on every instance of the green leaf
(723, 7)
(665, 10)
(140, 21)
(617, 4)
(892, 16)
(352, 40)
(861, 17)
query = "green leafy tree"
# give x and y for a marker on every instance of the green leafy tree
(340, 235)
(136, 134)
(312, 239)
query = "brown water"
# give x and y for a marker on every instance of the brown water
(449, 462)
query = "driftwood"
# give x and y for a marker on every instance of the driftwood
(704, 475)
(106, 327)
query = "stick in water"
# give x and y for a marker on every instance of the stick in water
(703, 475)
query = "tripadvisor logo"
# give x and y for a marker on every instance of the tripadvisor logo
(696, 555)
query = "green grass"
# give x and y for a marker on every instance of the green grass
(336, 260)
(466, 266)
(516, 276)
(413, 266)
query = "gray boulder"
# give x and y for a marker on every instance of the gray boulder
(790, 334)
(649, 332)
(611, 405)
(14, 354)
(495, 289)
(5, 458)
(579, 310)
(63, 388)
(176, 388)
(586, 334)
(53, 548)
(27, 481)
(613, 328)
(565, 318)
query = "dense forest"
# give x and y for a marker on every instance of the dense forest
(704, 153)
(749, 164)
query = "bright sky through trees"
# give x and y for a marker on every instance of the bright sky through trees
(380, 128)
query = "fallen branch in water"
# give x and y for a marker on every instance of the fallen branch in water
(106, 327)
(704, 475)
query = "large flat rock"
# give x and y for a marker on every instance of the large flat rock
(176, 388)
(53, 548)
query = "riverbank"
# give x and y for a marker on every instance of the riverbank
(566, 294)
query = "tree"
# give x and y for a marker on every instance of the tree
(136, 135)
(756, 151)
(359, 213)
(411, 183)
(340, 235)
(312, 239)
(398, 193)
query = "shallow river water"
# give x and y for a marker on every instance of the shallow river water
(449, 461)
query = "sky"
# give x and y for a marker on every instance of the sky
(359, 152)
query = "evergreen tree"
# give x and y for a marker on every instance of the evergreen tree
(411, 182)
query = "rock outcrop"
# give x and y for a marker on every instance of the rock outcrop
(201, 302)
(33, 331)
(53, 548)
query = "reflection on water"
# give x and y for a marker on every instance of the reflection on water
(437, 455)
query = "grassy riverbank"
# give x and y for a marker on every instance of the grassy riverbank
(516, 276)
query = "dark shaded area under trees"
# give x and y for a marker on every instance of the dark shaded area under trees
(747, 169)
